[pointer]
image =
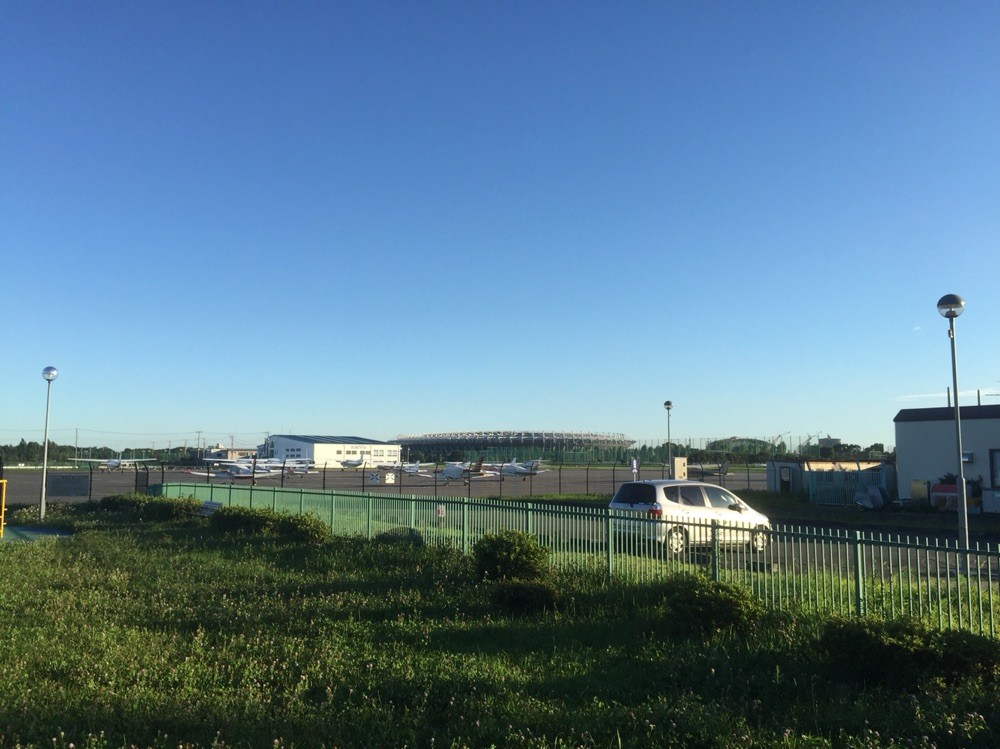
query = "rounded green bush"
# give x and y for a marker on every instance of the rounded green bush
(904, 653)
(162, 509)
(236, 519)
(510, 555)
(401, 535)
(129, 502)
(694, 604)
(520, 597)
(309, 528)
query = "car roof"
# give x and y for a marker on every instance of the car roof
(672, 482)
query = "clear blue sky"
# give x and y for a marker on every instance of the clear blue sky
(383, 218)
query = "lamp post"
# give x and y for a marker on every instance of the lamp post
(951, 306)
(670, 448)
(48, 374)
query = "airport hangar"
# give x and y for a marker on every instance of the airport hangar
(494, 446)
(328, 450)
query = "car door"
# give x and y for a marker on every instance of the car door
(725, 508)
(697, 513)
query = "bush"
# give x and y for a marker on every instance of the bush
(905, 653)
(308, 528)
(162, 509)
(400, 535)
(510, 555)
(236, 519)
(261, 521)
(519, 597)
(130, 502)
(872, 652)
(692, 603)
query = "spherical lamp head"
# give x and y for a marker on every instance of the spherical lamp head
(668, 405)
(50, 373)
(951, 305)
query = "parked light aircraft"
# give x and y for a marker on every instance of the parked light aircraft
(251, 468)
(353, 463)
(466, 471)
(115, 464)
(412, 469)
(525, 469)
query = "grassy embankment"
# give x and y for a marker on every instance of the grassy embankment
(136, 632)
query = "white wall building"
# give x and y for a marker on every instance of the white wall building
(926, 449)
(328, 451)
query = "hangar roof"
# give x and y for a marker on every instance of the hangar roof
(317, 440)
(947, 413)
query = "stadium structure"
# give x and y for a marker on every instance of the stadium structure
(499, 446)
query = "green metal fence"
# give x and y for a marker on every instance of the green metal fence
(826, 571)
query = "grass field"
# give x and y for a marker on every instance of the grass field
(140, 633)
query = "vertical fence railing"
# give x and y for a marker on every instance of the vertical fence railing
(821, 570)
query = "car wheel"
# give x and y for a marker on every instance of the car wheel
(759, 541)
(676, 540)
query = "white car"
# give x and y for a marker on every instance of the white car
(679, 514)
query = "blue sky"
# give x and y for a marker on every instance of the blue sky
(384, 218)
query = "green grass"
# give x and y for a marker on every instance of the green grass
(167, 634)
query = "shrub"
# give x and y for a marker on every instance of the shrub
(401, 535)
(57, 514)
(519, 597)
(162, 509)
(130, 502)
(964, 654)
(693, 603)
(905, 653)
(510, 555)
(236, 519)
(262, 521)
(308, 528)
(867, 651)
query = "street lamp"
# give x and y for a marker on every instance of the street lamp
(48, 374)
(670, 449)
(951, 306)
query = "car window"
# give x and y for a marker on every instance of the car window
(719, 497)
(673, 494)
(635, 494)
(691, 495)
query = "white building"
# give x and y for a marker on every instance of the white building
(328, 451)
(926, 449)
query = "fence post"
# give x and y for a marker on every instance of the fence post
(529, 521)
(302, 501)
(369, 498)
(611, 544)
(413, 515)
(859, 576)
(465, 525)
(715, 551)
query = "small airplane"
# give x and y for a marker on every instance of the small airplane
(115, 464)
(353, 463)
(240, 468)
(413, 469)
(466, 471)
(525, 469)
